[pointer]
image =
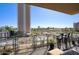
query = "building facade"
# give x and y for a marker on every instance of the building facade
(76, 26)
(4, 33)
(24, 18)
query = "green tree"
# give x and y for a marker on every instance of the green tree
(8, 28)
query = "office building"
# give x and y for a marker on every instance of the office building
(76, 26)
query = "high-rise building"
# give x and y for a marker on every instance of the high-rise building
(24, 18)
(76, 26)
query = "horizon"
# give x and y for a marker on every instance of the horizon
(40, 27)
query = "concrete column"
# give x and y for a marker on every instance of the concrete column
(24, 18)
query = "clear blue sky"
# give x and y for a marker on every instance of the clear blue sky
(39, 17)
(8, 14)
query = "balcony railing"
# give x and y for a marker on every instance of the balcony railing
(27, 45)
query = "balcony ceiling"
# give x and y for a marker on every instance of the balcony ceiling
(69, 8)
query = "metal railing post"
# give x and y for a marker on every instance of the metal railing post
(34, 42)
(14, 45)
(47, 41)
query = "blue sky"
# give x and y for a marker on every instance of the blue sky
(39, 17)
(8, 14)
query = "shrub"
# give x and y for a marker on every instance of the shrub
(51, 41)
(6, 50)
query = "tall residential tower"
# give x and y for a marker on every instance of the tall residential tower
(24, 18)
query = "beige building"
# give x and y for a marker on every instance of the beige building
(4, 33)
(24, 18)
